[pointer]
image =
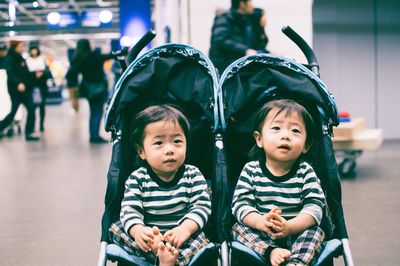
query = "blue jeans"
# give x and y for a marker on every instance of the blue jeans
(96, 114)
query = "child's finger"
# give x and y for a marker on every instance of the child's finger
(146, 238)
(277, 217)
(143, 245)
(167, 234)
(148, 232)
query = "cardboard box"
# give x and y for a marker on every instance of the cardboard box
(367, 139)
(347, 130)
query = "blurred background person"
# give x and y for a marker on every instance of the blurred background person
(259, 19)
(234, 34)
(93, 85)
(40, 74)
(4, 108)
(72, 85)
(19, 82)
(3, 53)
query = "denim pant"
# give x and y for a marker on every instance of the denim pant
(26, 99)
(96, 114)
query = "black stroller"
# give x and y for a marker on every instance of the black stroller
(221, 111)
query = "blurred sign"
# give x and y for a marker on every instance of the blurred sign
(66, 20)
(75, 20)
(94, 19)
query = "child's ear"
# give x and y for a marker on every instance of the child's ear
(140, 151)
(258, 137)
(307, 147)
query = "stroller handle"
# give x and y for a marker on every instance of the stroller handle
(135, 49)
(304, 47)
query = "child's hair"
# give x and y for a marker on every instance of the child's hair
(154, 114)
(288, 106)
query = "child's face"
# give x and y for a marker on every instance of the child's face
(164, 148)
(282, 137)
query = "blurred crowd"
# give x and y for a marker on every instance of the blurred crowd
(236, 32)
(26, 78)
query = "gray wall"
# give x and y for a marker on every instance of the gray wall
(357, 43)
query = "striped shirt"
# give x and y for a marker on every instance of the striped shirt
(299, 191)
(150, 201)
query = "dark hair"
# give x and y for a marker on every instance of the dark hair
(236, 3)
(288, 106)
(82, 51)
(34, 47)
(154, 114)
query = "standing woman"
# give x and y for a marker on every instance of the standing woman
(93, 85)
(20, 88)
(40, 73)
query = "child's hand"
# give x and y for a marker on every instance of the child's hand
(268, 224)
(178, 235)
(264, 224)
(143, 236)
(280, 227)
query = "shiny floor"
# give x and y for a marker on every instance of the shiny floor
(52, 193)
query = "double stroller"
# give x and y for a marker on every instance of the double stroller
(221, 111)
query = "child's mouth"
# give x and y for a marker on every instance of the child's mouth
(284, 147)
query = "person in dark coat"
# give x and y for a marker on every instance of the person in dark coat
(259, 19)
(234, 34)
(19, 82)
(41, 74)
(90, 63)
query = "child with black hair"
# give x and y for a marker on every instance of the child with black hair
(278, 200)
(166, 203)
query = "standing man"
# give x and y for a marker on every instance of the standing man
(233, 34)
(20, 89)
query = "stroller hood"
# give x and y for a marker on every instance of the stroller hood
(250, 81)
(172, 73)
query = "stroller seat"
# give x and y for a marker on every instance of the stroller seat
(333, 248)
(206, 255)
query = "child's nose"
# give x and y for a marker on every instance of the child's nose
(285, 134)
(169, 149)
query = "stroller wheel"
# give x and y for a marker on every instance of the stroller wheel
(10, 132)
(347, 167)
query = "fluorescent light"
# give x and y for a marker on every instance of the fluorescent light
(105, 16)
(53, 18)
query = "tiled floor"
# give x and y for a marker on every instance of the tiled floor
(52, 193)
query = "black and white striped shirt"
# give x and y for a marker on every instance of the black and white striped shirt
(299, 191)
(150, 201)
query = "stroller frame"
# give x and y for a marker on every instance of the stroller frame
(225, 248)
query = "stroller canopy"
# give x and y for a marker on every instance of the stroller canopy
(251, 81)
(171, 73)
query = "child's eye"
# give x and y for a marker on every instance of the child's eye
(157, 143)
(296, 130)
(178, 141)
(275, 128)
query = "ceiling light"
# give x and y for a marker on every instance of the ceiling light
(11, 33)
(126, 41)
(105, 16)
(53, 18)
(35, 4)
